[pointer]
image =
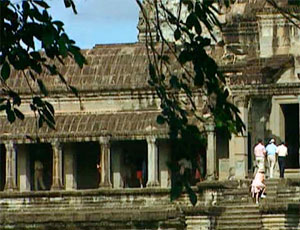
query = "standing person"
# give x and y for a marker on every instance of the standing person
(260, 154)
(271, 153)
(282, 152)
(38, 176)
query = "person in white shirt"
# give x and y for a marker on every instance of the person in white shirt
(282, 152)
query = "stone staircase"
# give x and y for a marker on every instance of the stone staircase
(240, 217)
(221, 206)
(240, 213)
(280, 210)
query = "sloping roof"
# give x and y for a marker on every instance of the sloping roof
(86, 126)
(122, 67)
(259, 70)
(110, 67)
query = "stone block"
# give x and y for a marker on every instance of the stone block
(223, 169)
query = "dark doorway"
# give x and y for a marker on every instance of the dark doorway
(2, 167)
(291, 122)
(134, 164)
(40, 158)
(87, 157)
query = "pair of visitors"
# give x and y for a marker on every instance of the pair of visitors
(260, 155)
(258, 186)
(282, 152)
(271, 156)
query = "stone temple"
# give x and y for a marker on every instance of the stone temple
(114, 125)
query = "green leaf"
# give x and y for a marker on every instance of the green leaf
(33, 107)
(176, 190)
(74, 90)
(192, 194)
(59, 24)
(38, 101)
(2, 100)
(160, 119)
(2, 107)
(36, 55)
(19, 114)
(11, 117)
(191, 20)
(67, 3)
(40, 121)
(5, 71)
(41, 3)
(152, 71)
(177, 34)
(48, 38)
(42, 87)
(16, 98)
(50, 107)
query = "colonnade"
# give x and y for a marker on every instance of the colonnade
(63, 166)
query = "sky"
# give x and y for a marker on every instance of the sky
(98, 21)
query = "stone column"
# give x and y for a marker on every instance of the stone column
(164, 157)
(299, 128)
(116, 153)
(11, 170)
(152, 162)
(105, 162)
(23, 168)
(57, 166)
(69, 168)
(238, 145)
(211, 152)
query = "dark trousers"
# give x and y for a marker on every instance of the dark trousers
(281, 162)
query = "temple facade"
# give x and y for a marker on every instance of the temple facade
(104, 138)
(114, 121)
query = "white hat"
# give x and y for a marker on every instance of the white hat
(272, 141)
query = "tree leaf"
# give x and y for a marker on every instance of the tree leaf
(5, 71)
(11, 117)
(160, 119)
(41, 3)
(2, 107)
(74, 90)
(50, 107)
(42, 87)
(192, 195)
(19, 114)
(40, 121)
(177, 34)
(38, 101)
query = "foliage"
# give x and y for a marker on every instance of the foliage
(197, 76)
(194, 24)
(30, 42)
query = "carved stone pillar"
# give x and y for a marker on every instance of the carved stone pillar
(57, 166)
(211, 152)
(105, 163)
(69, 167)
(238, 145)
(11, 170)
(152, 162)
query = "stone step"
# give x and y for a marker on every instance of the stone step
(248, 216)
(239, 223)
(280, 227)
(248, 227)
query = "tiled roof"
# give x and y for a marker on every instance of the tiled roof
(110, 67)
(259, 71)
(86, 125)
(122, 67)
